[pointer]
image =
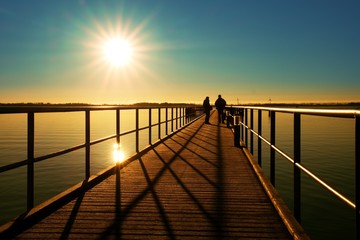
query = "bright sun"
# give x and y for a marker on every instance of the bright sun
(117, 51)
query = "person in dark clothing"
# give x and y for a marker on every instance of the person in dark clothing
(220, 104)
(207, 109)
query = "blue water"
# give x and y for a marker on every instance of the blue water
(327, 144)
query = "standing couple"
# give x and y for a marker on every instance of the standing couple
(220, 104)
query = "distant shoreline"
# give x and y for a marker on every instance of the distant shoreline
(348, 105)
(345, 105)
(91, 104)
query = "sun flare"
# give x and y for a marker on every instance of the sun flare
(120, 52)
(117, 51)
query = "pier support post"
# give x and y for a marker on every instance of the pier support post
(272, 150)
(251, 133)
(166, 120)
(172, 119)
(87, 144)
(150, 135)
(237, 136)
(228, 116)
(177, 118)
(30, 158)
(260, 133)
(159, 123)
(246, 126)
(237, 131)
(137, 129)
(118, 126)
(357, 173)
(297, 172)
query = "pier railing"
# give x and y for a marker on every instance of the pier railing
(176, 116)
(243, 119)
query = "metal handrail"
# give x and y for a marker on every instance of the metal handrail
(304, 169)
(307, 111)
(298, 168)
(181, 119)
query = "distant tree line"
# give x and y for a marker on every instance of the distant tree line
(88, 104)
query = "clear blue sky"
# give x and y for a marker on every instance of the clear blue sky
(247, 50)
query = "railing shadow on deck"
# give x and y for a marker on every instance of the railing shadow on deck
(216, 220)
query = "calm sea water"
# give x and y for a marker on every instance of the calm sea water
(328, 150)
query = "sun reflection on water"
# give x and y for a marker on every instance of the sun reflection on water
(118, 154)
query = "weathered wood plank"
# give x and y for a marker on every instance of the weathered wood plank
(194, 185)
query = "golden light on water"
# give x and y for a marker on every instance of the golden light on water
(118, 154)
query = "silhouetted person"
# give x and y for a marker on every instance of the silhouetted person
(207, 109)
(220, 104)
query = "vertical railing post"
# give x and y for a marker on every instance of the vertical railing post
(137, 129)
(251, 133)
(87, 144)
(150, 126)
(297, 172)
(236, 126)
(30, 159)
(241, 112)
(228, 116)
(246, 128)
(357, 173)
(166, 121)
(159, 123)
(118, 126)
(185, 115)
(176, 115)
(187, 119)
(181, 116)
(272, 150)
(172, 119)
(260, 133)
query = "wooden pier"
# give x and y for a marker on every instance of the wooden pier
(192, 185)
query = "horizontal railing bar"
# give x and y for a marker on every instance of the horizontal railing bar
(55, 154)
(41, 158)
(305, 170)
(143, 128)
(68, 150)
(154, 125)
(102, 139)
(283, 154)
(12, 166)
(127, 132)
(319, 112)
(44, 109)
(273, 146)
(261, 137)
(157, 124)
(309, 173)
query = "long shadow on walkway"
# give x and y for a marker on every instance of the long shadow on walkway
(188, 142)
(193, 185)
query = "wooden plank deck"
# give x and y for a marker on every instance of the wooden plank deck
(193, 185)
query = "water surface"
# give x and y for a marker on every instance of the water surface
(328, 150)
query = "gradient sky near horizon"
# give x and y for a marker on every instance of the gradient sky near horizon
(249, 51)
